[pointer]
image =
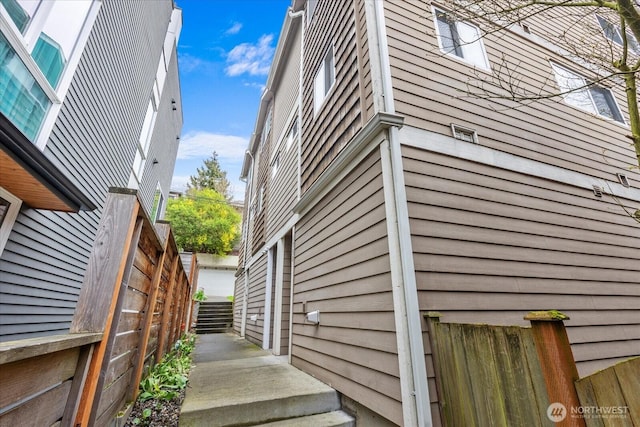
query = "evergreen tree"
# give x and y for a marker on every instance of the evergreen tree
(210, 176)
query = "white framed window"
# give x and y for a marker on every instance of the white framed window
(9, 209)
(40, 48)
(158, 204)
(579, 92)
(614, 34)
(460, 39)
(275, 164)
(267, 127)
(324, 80)
(293, 133)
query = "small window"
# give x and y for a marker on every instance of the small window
(614, 34)
(275, 165)
(266, 128)
(460, 39)
(48, 55)
(325, 77)
(579, 92)
(293, 133)
(158, 204)
(464, 134)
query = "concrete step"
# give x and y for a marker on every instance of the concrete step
(252, 391)
(327, 419)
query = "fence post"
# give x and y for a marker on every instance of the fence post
(557, 363)
(100, 297)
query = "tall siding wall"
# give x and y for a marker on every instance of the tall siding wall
(93, 143)
(283, 186)
(491, 245)
(342, 269)
(340, 118)
(430, 90)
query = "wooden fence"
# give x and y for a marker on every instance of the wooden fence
(611, 397)
(513, 376)
(133, 306)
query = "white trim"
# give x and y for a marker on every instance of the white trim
(9, 218)
(245, 293)
(358, 148)
(416, 407)
(266, 327)
(277, 306)
(447, 145)
(291, 284)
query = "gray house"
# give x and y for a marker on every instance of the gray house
(377, 193)
(90, 100)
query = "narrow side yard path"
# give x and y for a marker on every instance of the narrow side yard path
(236, 383)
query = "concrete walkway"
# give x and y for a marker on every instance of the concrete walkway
(236, 383)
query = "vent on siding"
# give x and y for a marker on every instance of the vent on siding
(623, 179)
(464, 134)
(525, 27)
(597, 191)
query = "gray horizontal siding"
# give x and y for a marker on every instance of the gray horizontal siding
(491, 245)
(342, 269)
(256, 300)
(93, 143)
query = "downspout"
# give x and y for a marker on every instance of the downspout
(415, 388)
(245, 292)
(293, 15)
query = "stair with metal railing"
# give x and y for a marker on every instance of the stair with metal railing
(214, 317)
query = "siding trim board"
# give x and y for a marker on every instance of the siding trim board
(360, 146)
(447, 145)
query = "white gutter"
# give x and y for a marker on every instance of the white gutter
(293, 15)
(414, 388)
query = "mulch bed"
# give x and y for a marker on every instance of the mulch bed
(164, 413)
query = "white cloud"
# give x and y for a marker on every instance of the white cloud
(254, 59)
(179, 183)
(189, 63)
(234, 29)
(203, 144)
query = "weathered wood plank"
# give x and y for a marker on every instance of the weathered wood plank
(43, 410)
(26, 377)
(12, 351)
(628, 374)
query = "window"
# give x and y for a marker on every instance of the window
(579, 92)
(158, 204)
(293, 133)
(614, 33)
(325, 77)
(9, 208)
(275, 165)
(464, 134)
(23, 100)
(18, 15)
(38, 57)
(460, 39)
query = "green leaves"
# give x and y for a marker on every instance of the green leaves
(167, 378)
(203, 221)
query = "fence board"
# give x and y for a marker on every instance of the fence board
(31, 413)
(616, 388)
(485, 375)
(25, 378)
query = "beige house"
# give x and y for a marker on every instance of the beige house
(378, 191)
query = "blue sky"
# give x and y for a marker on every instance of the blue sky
(224, 53)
